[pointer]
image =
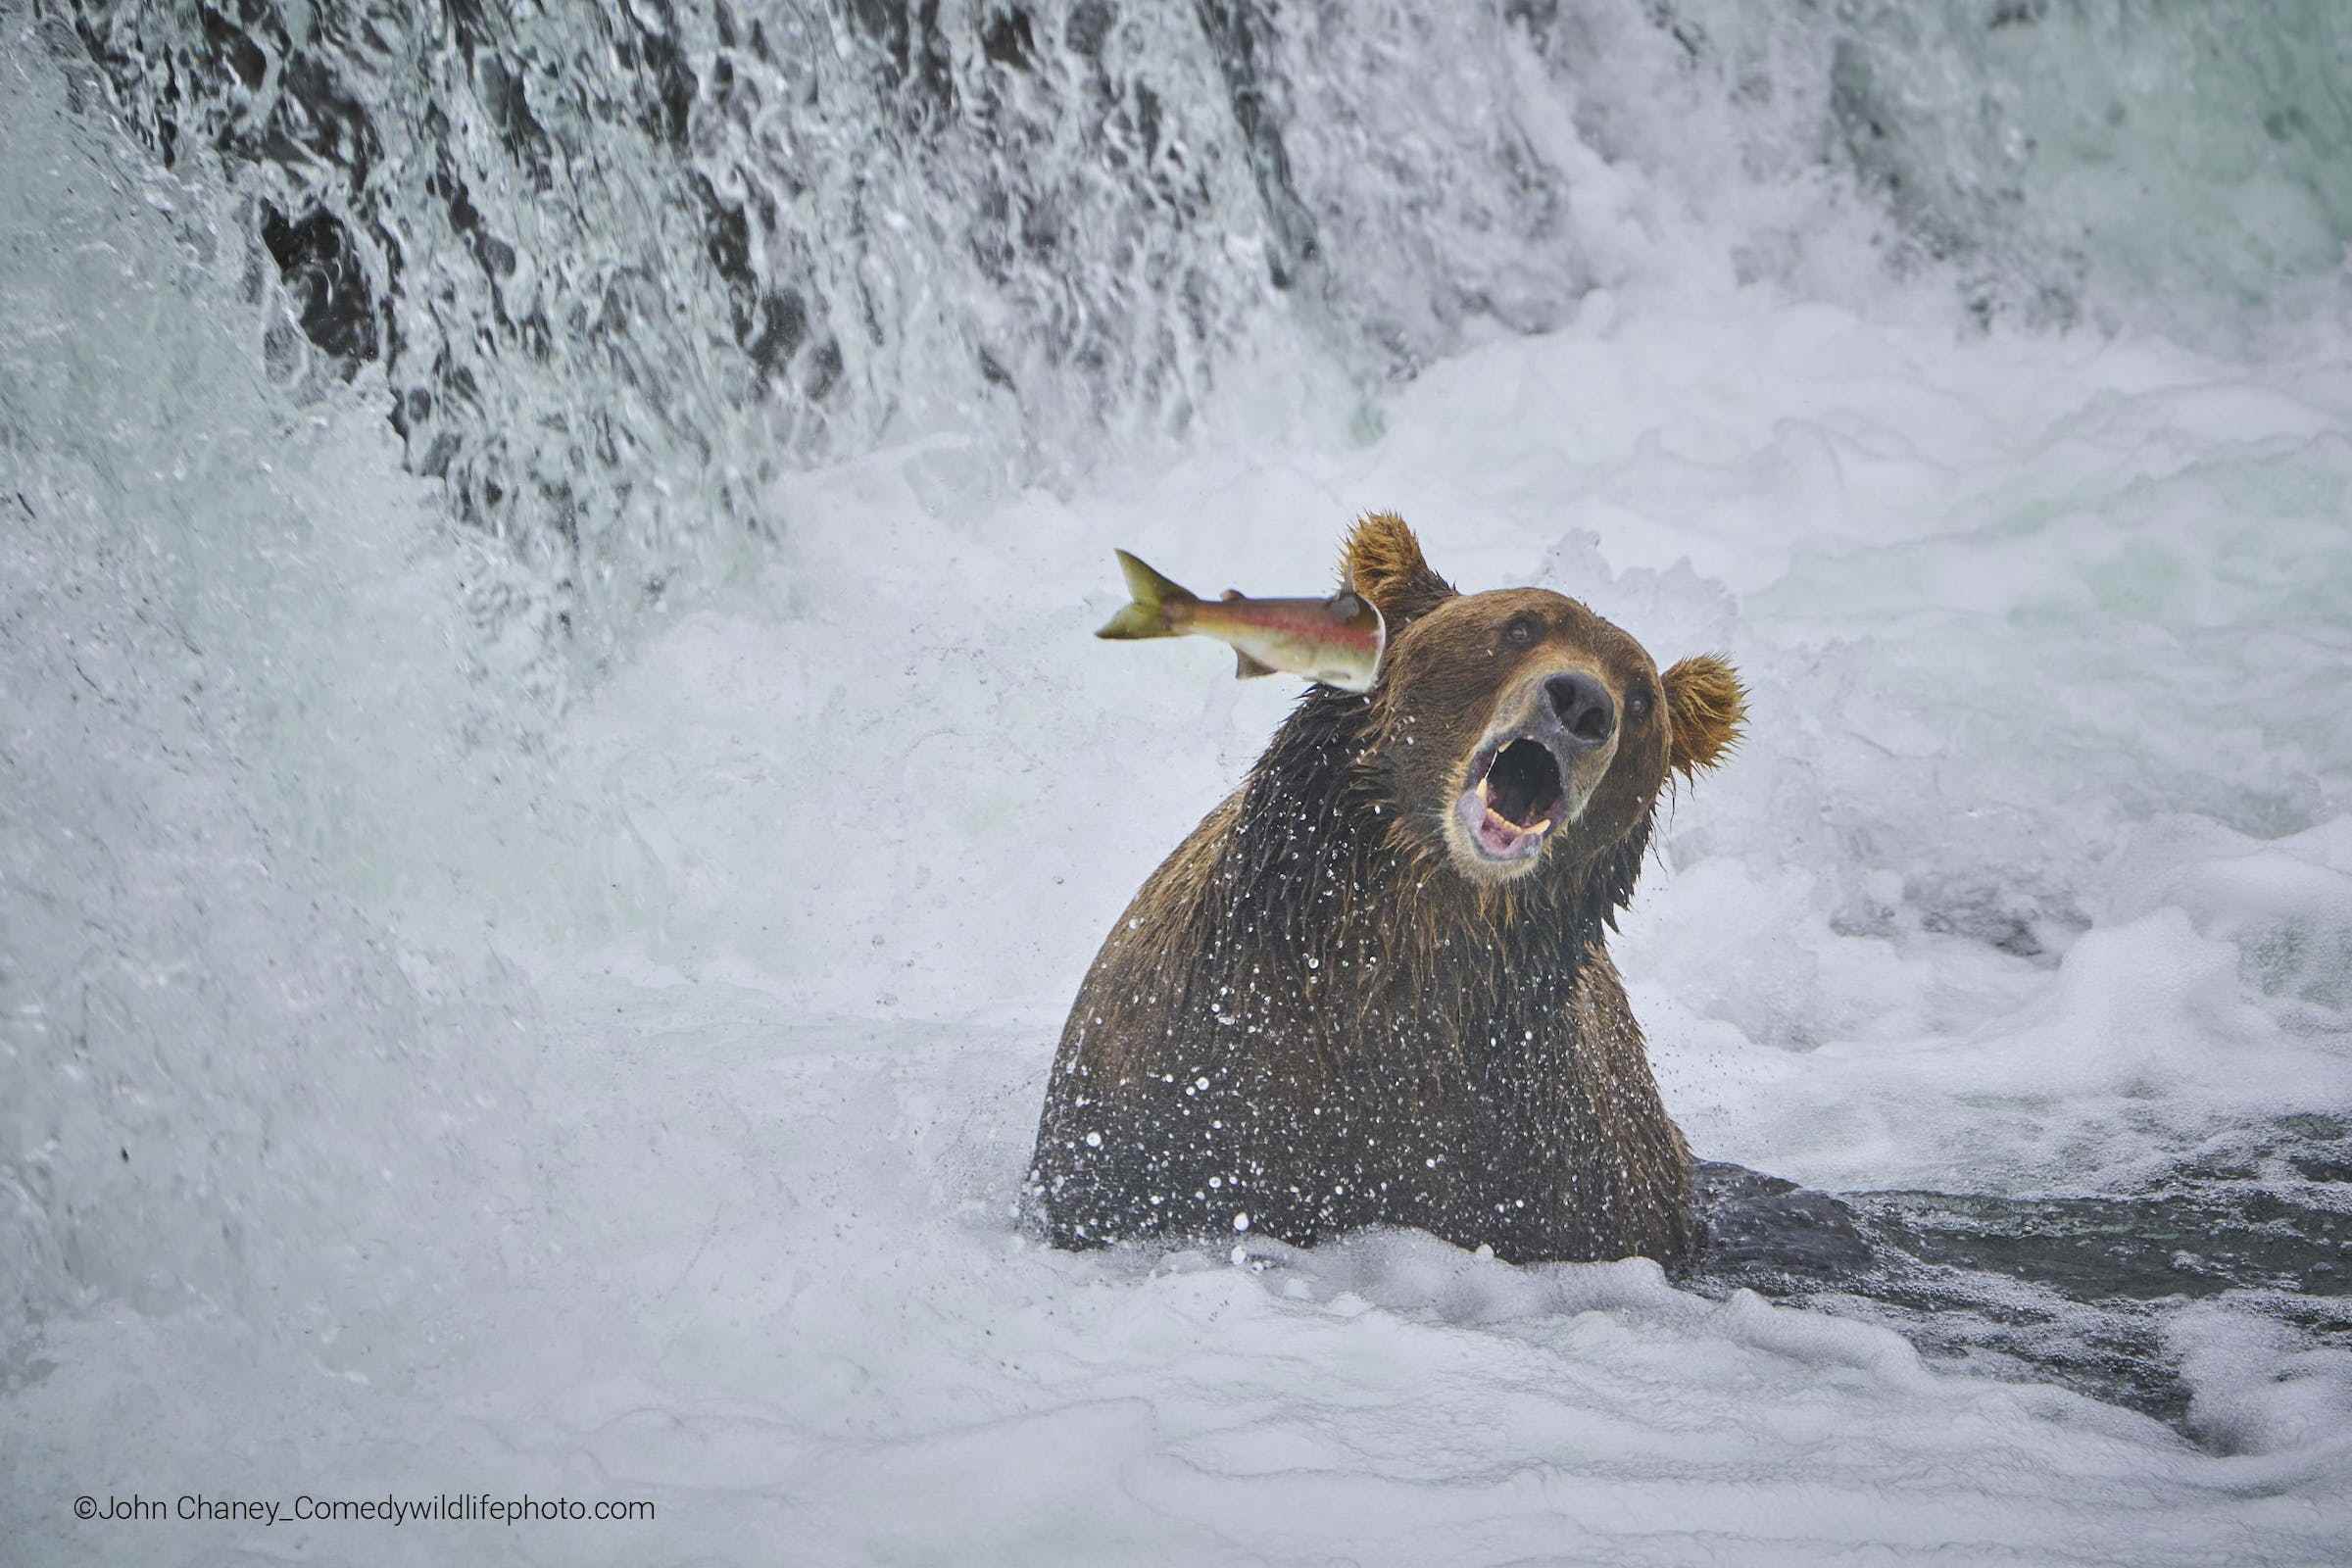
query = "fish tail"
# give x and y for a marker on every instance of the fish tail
(1154, 597)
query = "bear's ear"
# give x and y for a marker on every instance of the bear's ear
(1705, 705)
(1382, 562)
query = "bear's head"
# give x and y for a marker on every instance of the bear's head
(1517, 734)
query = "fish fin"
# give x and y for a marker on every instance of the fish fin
(1153, 595)
(1247, 669)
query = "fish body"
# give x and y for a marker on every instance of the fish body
(1336, 641)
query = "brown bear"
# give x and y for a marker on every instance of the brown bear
(1373, 987)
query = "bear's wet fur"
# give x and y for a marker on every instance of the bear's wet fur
(1338, 1003)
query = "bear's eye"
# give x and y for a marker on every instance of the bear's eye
(1637, 702)
(1521, 632)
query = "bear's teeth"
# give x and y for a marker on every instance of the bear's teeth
(1541, 826)
(1482, 790)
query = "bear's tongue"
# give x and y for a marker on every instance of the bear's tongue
(1497, 837)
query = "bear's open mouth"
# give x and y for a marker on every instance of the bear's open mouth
(1514, 797)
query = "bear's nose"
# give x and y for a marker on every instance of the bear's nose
(1585, 708)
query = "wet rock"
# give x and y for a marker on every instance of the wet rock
(323, 272)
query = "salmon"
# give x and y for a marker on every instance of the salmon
(1336, 641)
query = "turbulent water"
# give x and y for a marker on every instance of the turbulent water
(552, 785)
(622, 267)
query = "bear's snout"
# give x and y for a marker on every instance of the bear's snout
(1528, 778)
(1586, 710)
